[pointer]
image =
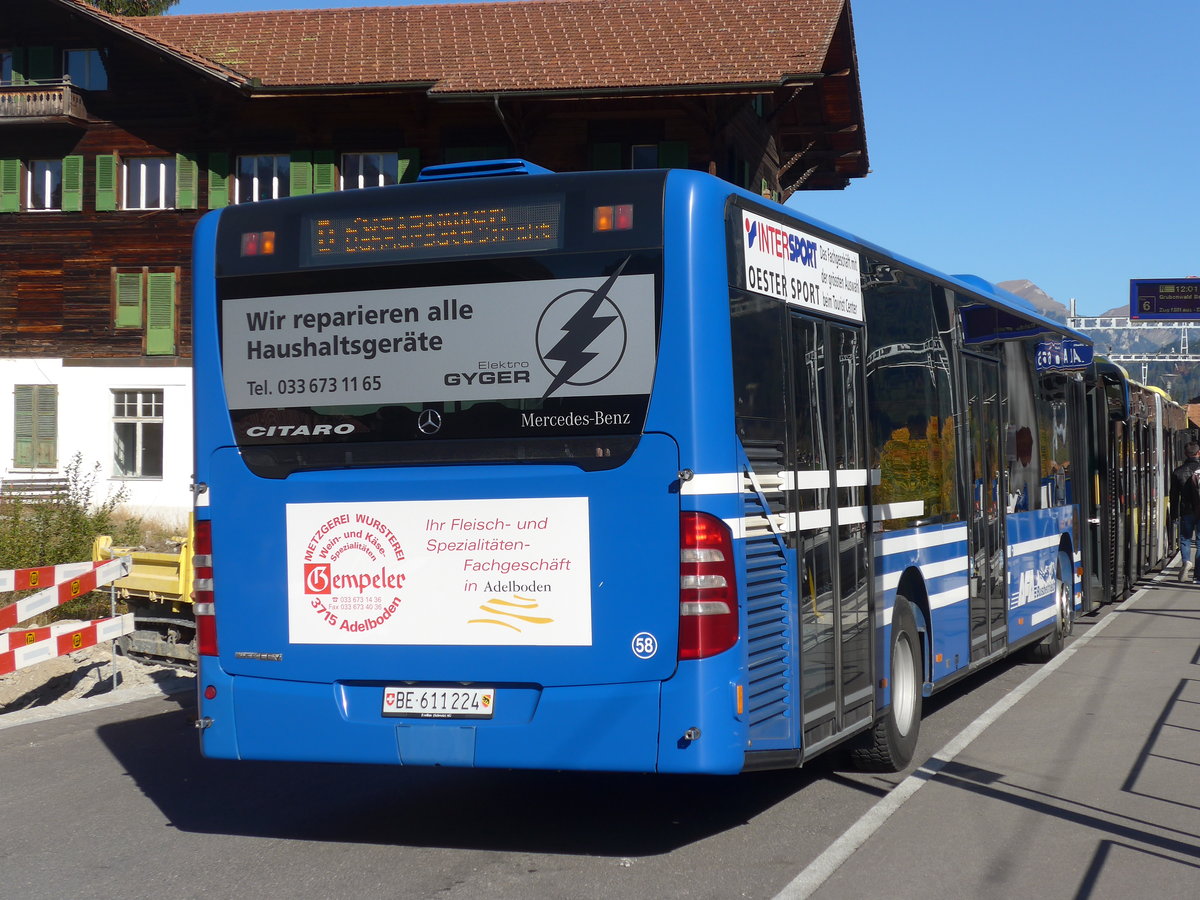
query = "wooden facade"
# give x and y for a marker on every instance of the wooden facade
(60, 268)
(95, 271)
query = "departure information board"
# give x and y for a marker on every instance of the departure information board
(1164, 298)
(418, 234)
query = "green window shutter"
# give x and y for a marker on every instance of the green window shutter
(218, 180)
(72, 184)
(10, 185)
(673, 154)
(604, 156)
(408, 164)
(35, 426)
(45, 434)
(301, 173)
(18, 66)
(187, 174)
(324, 172)
(160, 314)
(23, 426)
(106, 182)
(41, 64)
(128, 288)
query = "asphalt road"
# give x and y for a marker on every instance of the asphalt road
(118, 803)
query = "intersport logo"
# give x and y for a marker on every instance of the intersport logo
(776, 240)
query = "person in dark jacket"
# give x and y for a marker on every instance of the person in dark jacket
(1185, 507)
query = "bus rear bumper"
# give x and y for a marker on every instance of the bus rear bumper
(597, 727)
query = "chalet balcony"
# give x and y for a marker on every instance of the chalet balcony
(43, 103)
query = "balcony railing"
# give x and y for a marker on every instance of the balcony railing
(57, 101)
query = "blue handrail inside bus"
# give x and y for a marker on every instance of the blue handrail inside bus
(481, 168)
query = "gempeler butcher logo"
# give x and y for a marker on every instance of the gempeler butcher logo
(317, 578)
(353, 573)
(581, 336)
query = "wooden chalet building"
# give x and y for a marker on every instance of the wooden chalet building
(117, 134)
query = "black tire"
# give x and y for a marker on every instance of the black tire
(1064, 620)
(890, 744)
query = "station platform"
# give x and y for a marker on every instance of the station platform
(1086, 786)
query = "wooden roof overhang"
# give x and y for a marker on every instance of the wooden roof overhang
(551, 50)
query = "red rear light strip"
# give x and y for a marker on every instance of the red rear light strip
(203, 605)
(708, 608)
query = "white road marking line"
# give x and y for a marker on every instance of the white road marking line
(820, 869)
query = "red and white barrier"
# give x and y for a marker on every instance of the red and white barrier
(21, 648)
(63, 584)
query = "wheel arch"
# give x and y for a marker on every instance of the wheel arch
(912, 588)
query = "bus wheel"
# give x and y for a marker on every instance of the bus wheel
(1064, 615)
(890, 745)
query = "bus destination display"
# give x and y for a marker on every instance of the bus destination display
(413, 235)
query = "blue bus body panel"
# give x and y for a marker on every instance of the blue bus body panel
(1035, 540)
(939, 553)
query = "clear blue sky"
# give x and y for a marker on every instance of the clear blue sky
(1051, 140)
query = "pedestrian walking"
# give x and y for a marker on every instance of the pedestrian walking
(1185, 507)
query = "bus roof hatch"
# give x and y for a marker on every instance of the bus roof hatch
(481, 168)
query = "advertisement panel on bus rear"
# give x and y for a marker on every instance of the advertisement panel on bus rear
(571, 337)
(511, 572)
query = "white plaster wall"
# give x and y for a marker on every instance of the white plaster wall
(85, 425)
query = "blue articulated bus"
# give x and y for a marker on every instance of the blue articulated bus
(625, 471)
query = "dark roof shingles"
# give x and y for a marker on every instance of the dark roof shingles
(531, 45)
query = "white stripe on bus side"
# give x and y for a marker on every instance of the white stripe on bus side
(1042, 543)
(816, 479)
(906, 543)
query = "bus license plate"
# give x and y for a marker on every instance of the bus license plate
(439, 702)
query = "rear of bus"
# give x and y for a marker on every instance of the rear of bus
(442, 451)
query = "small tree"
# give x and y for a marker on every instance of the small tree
(135, 7)
(60, 530)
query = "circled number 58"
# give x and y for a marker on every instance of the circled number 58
(644, 645)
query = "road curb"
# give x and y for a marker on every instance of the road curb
(175, 684)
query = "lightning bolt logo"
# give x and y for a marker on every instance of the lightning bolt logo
(581, 331)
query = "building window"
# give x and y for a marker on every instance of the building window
(262, 178)
(144, 298)
(44, 187)
(644, 156)
(6, 67)
(85, 68)
(138, 434)
(150, 182)
(35, 426)
(364, 170)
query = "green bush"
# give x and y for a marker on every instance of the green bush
(62, 530)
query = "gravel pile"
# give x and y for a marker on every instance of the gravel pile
(84, 674)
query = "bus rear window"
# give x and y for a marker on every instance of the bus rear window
(556, 368)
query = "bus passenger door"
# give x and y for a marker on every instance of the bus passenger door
(830, 477)
(988, 579)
